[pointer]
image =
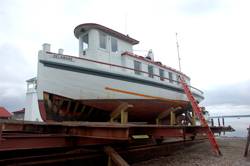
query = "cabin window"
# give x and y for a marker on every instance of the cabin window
(137, 67)
(102, 40)
(161, 72)
(170, 76)
(114, 45)
(150, 71)
(85, 44)
(177, 79)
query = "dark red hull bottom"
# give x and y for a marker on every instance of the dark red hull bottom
(58, 108)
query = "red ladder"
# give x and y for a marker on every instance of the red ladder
(199, 114)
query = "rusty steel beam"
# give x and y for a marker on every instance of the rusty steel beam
(104, 133)
(105, 130)
(28, 135)
(157, 132)
(32, 142)
(98, 130)
(40, 141)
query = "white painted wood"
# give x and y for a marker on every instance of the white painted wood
(78, 85)
(32, 112)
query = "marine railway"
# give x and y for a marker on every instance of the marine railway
(91, 113)
(45, 143)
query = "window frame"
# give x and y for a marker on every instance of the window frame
(170, 76)
(177, 79)
(113, 39)
(106, 40)
(151, 75)
(137, 71)
(161, 74)
(83, 42)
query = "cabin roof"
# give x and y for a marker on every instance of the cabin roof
(19, 111)
(85, 27)
(32, 79)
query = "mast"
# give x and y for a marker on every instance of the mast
(126, 24)
(177, 45)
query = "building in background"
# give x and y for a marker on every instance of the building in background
(18, 115)
(4, 114)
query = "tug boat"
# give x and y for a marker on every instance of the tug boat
(106, 75)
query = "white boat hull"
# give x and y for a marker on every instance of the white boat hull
(81, 82)
(101, 86)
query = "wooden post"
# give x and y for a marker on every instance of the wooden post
(158, 121)
(219, 125)
(165, 114)
(124, 117)
(248, 140)
(218, 121)
(76, 106)
(212, 122)
(47, 100)
(223, 124)
(68, 106)
(172, 118)
(83, 108)
(114, 157)
(121, 111)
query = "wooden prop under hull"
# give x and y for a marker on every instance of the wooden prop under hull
(58, 108)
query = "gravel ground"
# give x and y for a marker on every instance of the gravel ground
(201, 155)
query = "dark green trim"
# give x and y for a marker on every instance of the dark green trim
(112, 75)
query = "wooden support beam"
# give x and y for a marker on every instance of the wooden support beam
(47, 100)
(124, 117)
(68, 106)
(83, 108)
(46, 96)
(89, 112)
(172, 118)
(162, 115)
(56, 104)
(60, 104)
(165, 114)
(76, 106)
(114, 157)
(121, 111)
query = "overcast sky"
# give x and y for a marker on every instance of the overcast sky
(213, 36)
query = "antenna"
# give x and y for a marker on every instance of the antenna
(125, 23)
(177, 45)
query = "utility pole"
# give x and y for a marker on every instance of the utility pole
(179, 59)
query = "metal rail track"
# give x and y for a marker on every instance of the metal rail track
(91, 155)
(91, 143)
